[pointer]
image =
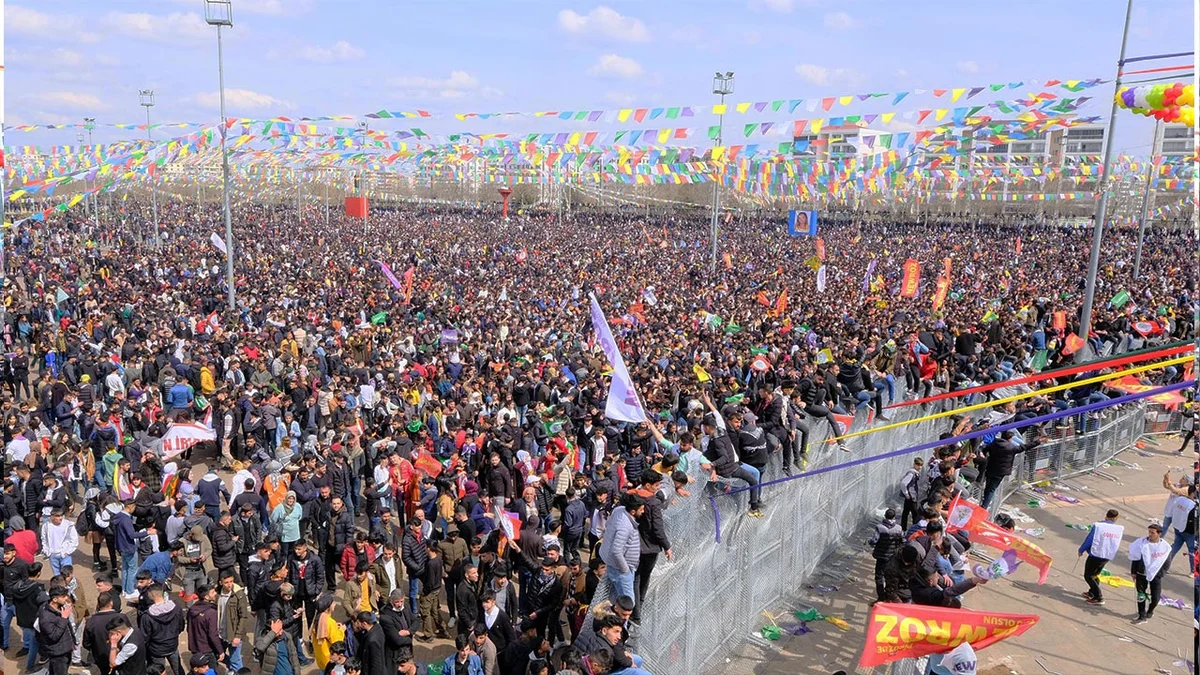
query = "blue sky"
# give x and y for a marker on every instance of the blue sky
(71, 58)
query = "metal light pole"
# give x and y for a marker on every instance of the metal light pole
(362, 177)
(89, 123)
(87, 203)
(220, 13)
(722, 86)
(1154, 145)
(146, 100)
(1085, 323)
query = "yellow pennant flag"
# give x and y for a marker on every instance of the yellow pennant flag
(824, 356)
(701, 374)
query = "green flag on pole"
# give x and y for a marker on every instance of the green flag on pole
(1119, 299)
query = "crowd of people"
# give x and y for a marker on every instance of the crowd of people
(422, 456)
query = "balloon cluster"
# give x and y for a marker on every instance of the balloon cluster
(1168, 103)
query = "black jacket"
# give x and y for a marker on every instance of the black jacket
(1001, 455)
(501, 632)
(751, 442)
(466, 603)
(224, 548)
(545, 592)
(651, 528)
(28, 597)
(413, 554)
(392, 622)
(95, 637)
(161, 626)
(55, 637)
(372, 651)
(309, 578)
(720, 453)
(342, 525)
(888, 540)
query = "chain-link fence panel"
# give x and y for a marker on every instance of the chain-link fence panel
(712, 596)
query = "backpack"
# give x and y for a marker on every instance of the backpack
(82, 526)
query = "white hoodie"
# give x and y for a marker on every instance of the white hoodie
(61, 539)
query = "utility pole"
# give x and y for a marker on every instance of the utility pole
(1089, 298)
(89, 123)
(146, 99)
(1146, 198)
(722, 86)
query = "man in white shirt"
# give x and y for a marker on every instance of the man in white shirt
(1149, 556)
(59, 540)
(1101, 545)
(18, 448)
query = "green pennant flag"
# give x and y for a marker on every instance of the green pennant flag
(713, 132)
(1119, 299)
(749, 128)
(996, 87)
(384, 115)
(758, 351)
(886, 141)
(732, 327)
(379, 318)
(1039, 360)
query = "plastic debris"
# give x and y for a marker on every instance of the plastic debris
(1064, 498)
(1034, 503)
(838, 621)
(772, 632)
(796, 628)
(1172, 602)
(825, 589)
(810, 615)
(1016, 514)
(1035, 531)
(1076, 526)
(1115, 581)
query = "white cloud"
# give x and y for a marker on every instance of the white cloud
(459, 84)
(172, 29)
(620, 98)
(839, 21)
(265, 7)
(336, 53)
(616, 66)
(59, 58)
(239, 99)
(820, 75)
(72, 100)
(782, 6)
(968, 67)
(59, 27)
(604, 22)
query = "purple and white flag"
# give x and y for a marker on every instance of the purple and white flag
(217, 242)
(623, 402)
(387, 272)
(867, 278)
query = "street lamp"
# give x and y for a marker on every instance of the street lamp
(79, 138)
(363, 129)
(722, 86)
(89, 123)
(146, 100)
(220, 13)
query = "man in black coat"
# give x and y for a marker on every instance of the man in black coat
(161, 625)
(95, 631)
(56, 640)
(397, 623)
(1001, 455)
(372, 647)
(224, 548)
(466, 599)
(307, 575)
(414, 555)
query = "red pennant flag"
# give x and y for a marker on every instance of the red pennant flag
(966, 515)
(1074, 344)
(820, 248)
(1060, 320)
(912, 278)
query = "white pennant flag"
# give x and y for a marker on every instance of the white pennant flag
(217, 242)
(821, 279)
(623, 402)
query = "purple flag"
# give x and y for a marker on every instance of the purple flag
(867, 278)
(387, 272)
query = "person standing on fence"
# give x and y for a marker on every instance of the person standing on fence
(889, 537)
(910, 485)
(1149, 557)
(1001, 455)
(1101, 545)
(621, 547)
(724, 461)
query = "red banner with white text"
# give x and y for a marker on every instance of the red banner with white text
(901, 631)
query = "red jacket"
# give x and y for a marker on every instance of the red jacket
(350, 560)
(26, 543)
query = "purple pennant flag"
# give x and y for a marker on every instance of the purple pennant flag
(595, 115)
(387, 272)
(760, 106)
(867, 279)
(686, 112)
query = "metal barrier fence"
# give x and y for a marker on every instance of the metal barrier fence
(713, 591)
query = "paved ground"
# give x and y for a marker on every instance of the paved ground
(1072, 638)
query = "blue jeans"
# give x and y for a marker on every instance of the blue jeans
(10, 610)
(234, 658)
(1182, 538)
(129, 568)
(622, 584)
(57, 562)
(757, 475)
(414, 587)
(29, 641)
(635, 670)
(889, 383)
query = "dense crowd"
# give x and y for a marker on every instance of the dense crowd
(402, 461)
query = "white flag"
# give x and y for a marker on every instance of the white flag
(217, 242)
(623, 402)
(649, 297)
(821, 279)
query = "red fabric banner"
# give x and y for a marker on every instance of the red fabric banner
(820, 248)
(965, 515)
(900, 631)
(1060, 320)
(912, 279)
